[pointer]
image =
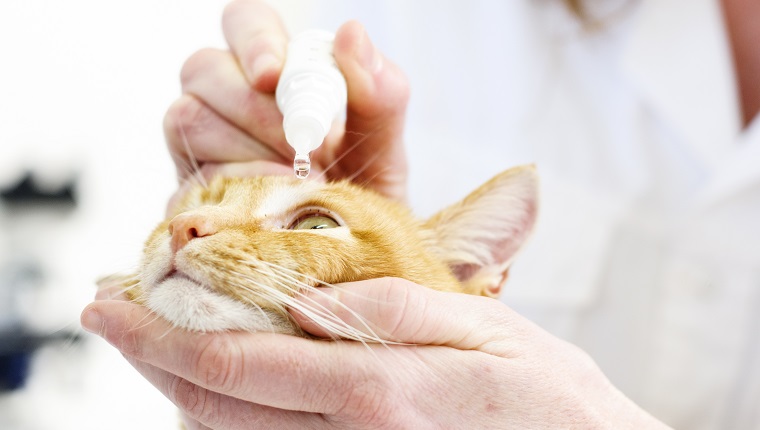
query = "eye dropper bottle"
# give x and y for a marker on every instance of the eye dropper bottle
(311, 93)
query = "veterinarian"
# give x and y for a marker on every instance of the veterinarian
(640, 294)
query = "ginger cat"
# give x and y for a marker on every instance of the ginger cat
(234, 254)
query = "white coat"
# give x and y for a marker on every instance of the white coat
(647, 253)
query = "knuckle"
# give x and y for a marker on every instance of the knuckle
(259, 43)
(375, 408)
(180, 117)
(198, 403)
(218, 363)
(258, 38)
(405, 307)
(371, 403)
(129, 344)
(196, 64)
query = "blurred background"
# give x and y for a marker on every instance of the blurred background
(84, 176)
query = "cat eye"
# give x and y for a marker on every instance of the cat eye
(314, 222)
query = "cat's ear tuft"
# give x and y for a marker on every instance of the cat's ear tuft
(479, 236)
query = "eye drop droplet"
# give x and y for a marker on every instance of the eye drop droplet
(302, 165)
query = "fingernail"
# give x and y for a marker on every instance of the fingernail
(263, 63)
(92, 321)
(367, 55)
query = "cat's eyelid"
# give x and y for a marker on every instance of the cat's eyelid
(304, 212)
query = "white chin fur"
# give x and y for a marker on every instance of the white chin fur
(189, 305)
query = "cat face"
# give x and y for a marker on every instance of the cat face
(234, 254)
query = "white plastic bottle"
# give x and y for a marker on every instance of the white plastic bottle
(311, 93)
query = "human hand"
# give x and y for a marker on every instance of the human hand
(227, 118)
(464, 362)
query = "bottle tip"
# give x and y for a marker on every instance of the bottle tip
(302, 165)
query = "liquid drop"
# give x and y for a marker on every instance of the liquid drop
(302, 165)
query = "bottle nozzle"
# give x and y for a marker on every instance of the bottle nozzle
(303, 131)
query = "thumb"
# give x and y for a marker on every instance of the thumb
(397, 310)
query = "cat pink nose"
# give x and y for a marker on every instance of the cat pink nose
(186, 227)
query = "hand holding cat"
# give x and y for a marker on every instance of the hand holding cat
(469, 362)
(451, 360)
(227, 115)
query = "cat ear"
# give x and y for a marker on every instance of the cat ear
(479, 236)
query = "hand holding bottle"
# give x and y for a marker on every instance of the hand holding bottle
(228, 120)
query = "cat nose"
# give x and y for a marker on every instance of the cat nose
(186, 227)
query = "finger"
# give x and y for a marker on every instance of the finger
(197, 134)
(378, 93)
(258, 38)
(214, 77)
(401, 311)
(208, 409)
(279, 371)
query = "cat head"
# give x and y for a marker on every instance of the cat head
(234, 253)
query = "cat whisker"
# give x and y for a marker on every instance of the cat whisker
(127, 289)
(329, 322)
(367, 181)
(196, 169)
(140, 325)
(186, 166)
(322, 315)
(264, 317)
(291, 275)
(166, 333)
(68, 334)
(313, 280)
(188, 181)
(257, 293)
(192, 179)
(257, 308)
(365, 166)
(337, 160)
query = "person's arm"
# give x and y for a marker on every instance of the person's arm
(468, 362)
(227, 117)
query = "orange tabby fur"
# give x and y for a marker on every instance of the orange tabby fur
(222, 239)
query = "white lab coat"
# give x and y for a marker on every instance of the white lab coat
(647, 253)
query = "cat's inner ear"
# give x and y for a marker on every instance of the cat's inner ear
(479, 236)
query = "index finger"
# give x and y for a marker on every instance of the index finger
(257, 37)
